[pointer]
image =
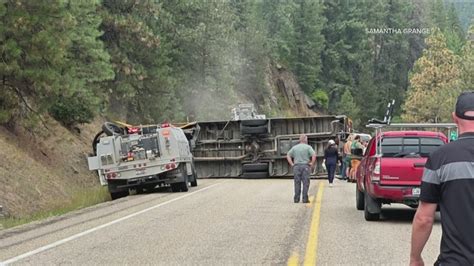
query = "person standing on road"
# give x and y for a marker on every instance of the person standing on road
(448, 181)
(302, 158)
(346, 157)
(331, 157)
(356, 156)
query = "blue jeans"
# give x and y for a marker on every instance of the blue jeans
(301, 172)
(331, 167)
(343, 168)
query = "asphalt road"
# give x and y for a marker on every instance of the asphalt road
(222, 221)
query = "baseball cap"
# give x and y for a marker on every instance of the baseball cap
(331, 142)
(464, 104)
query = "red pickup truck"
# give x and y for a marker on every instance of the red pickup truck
(391, 169)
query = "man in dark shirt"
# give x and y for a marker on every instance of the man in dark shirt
(448, 181)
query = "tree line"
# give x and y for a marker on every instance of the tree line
(146, 61)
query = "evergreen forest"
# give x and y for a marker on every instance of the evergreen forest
(175, 60)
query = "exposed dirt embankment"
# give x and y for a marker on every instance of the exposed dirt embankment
(44, 170)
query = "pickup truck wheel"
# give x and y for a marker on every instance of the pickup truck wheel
(359, 199)
(119, 194)
(371, 208)
(253, 123)
(253, 130)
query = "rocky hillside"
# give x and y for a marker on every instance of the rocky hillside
(45, 170)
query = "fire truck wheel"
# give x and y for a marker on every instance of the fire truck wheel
(254, 123)
(255, 167)
(110, 129)
(176, 187)
(119, 194)
(244, 130)
(184, 185)
(194, 181)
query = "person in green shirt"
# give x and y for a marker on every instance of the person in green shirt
(302, 158)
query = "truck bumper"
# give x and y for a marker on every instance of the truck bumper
(121, 184)
(395, 194)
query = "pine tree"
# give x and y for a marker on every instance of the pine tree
(89, 66)
(48, 52)
(467, 62)
(434, 84)
(348, 57)
(309, 44)
(252, 56)
(143, 90)
(205, 39)
(348, 107)
(454, 33)
(279, 17)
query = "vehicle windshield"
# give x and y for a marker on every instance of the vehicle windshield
(406, 147)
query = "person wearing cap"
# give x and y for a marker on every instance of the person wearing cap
(448, 182)
(302, 158)
(331, 158)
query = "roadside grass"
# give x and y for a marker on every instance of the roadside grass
(80, 199)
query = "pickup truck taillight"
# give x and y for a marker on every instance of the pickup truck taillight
(375, 175)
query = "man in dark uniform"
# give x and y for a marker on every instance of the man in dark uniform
(448, 181)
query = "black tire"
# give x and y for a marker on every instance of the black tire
(255, 167)
(140, 190)
(255, 175)
(119, 194)
(254, 123)
(370, 204)
(184, 185)
(194, 182)
(253, 130)
(176, 187)
(96, 141)
(112, 129)
(359, 199)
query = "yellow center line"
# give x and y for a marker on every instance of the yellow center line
(293, 260)
(312, 244)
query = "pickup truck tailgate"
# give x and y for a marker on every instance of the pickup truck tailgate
(401, 171)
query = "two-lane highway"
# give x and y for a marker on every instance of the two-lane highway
(222, 221)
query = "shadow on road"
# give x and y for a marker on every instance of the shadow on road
(401, 215)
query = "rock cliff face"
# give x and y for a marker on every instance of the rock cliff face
(285, 83)
(282, 95)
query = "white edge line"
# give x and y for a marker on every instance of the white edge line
(65, 240)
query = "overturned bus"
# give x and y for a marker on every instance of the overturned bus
(257, 148)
